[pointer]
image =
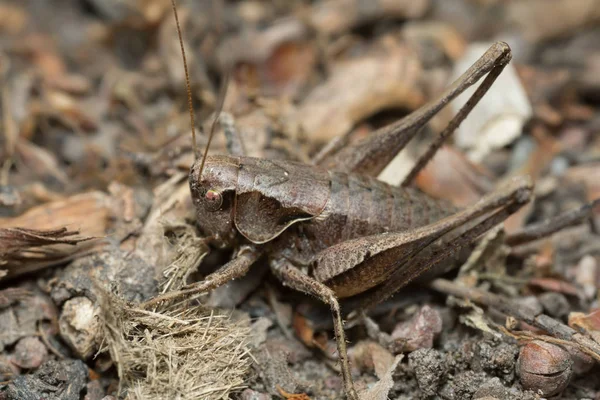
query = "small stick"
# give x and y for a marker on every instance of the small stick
(546, 228)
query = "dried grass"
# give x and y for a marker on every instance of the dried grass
(182, 352)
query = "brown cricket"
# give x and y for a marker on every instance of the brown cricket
(331, 229)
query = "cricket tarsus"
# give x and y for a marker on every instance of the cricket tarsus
(305, 219)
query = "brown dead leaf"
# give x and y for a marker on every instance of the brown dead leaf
(92, 214)
(441, 34)
(292, 396)
(12, 19)
(586, 322)
(370, 356)
(451, 176)
(306, 332)
(68, 108)
(359, 88)
(275, 62)
(540, 20)
(586, 174)
(39, 162)
(381, 389)
(338, 16)
(87, 212)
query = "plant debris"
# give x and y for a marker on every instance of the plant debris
(178, 352)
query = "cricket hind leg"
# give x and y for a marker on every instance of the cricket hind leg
(436, 255)
(236, 268)
(294, 278)
(372, 154)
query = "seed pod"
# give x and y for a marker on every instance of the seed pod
(544, 367)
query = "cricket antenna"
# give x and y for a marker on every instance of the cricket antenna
(222, 95)
(221, 99)
(187, 80)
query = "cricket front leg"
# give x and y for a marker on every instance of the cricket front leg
(236, 268)
(296, 279)
(372, 154)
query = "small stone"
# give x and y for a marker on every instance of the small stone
(94, 391)
(492, 389)
(531, 302)
(582, 362)
(555, 304)
(79, 326)
(421, 330)
(30, 353)
(250, 394)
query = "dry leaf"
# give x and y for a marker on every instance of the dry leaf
(500, 115)
(292, 396)
(451, 176)
(337, 16)
(359, 88)
(370, 356)
(380, 390)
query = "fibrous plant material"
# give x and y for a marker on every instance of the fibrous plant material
(22, 248)
(182, 352)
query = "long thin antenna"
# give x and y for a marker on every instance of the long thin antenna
(187, 82)
(222, 95)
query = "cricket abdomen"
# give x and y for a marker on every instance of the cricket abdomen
(361, 206)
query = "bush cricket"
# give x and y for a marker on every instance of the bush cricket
(331, 229)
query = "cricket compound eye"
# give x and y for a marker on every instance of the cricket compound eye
(213, 200)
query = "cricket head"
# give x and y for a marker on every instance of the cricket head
(256, 198)
(213, 193)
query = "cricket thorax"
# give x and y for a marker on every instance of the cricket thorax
(358, 206)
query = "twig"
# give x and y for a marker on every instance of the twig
(546, 228)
